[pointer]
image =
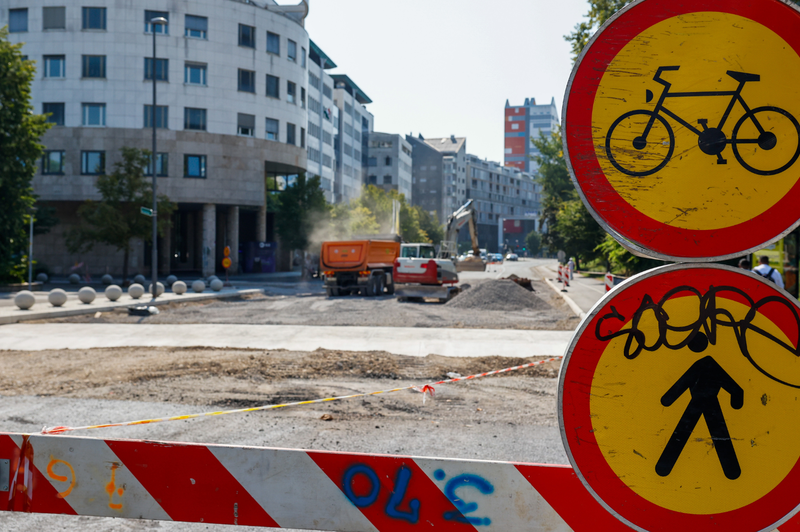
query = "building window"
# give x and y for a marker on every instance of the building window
(291, 50)
(273, 86)
(302, 137)
(93, 162)
(247, 36)
(18, 20)
(162, 166)
(53, 162)
(160, 28)
(387, 180)
(372, 180)
(246, 125)
(273, 43)
(195, 74)
(56, 112)
(303, 57)
(94, 114)
(272, 129)
(303, 97)
(291, 91)
(194, 166)
(388, 161)
(94, 66)
(372, 161)
(194, 119)
(196, 27)
(54, 18)
(54, 66)
(162, 116)
(247, 81)
(162, 69)
(290, 129)
(93, 18)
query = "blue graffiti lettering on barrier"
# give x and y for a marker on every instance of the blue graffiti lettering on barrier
(347, 485)
(400, 487)
(465, 480)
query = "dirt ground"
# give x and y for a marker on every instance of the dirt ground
(317, 309)
(240, 378)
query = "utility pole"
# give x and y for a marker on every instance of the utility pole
(158, 21)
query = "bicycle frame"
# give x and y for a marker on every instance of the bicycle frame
(734, 94)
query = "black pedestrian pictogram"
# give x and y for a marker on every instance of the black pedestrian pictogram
(704, 380)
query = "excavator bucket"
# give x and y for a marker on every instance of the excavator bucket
(472, 264)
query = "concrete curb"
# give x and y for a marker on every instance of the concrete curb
(575, 308)
(18, 315)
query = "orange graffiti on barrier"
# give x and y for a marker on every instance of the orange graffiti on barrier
(52, 474)
(111, 486)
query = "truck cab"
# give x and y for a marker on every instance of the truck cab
(417, 251)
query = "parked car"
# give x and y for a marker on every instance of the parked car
(512, 256)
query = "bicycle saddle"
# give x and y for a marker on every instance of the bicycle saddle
(743, 76)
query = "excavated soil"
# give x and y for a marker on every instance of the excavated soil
(502, 294)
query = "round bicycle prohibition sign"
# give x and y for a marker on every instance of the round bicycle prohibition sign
(682, 126)
(679, 398)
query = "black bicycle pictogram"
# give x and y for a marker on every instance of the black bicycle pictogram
(625, 136)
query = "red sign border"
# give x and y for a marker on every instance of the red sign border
(576, 426)
(640, 233)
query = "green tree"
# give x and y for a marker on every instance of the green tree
(599, 12)
(556, 185)
(580, 233)
(20, 131)
(429, 223)
(116, 218)
(533, 241)
(299, 211)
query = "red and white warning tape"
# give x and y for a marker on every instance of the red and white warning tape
(424, 389)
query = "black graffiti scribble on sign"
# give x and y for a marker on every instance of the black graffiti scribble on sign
(710, 319)
(704, 380)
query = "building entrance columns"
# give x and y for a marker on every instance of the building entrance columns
(232, 237)
(209, 250)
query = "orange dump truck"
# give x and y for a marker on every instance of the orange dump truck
(358, 267)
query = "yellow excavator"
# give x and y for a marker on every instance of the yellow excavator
(449, 248)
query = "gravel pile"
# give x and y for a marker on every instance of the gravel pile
(500, 294)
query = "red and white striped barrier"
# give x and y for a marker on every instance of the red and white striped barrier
(560, 273)
(609, 281)
(255, 486)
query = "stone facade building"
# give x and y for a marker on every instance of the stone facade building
(389, 163)
(232, 80)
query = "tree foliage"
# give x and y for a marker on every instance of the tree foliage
(580, 233)
(116, 218)
(20, 150)
(371, 213)
(533, 242)
(300, 208)
(599, 12)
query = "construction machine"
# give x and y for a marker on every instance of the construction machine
(418, 274)
(449, 248)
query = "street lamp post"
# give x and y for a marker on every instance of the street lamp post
(30, 253)
(160, 21)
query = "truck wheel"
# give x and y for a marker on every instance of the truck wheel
(380, 284)
(370, 290)
(332, 291)
(390, 288)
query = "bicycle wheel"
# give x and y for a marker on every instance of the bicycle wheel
(630, 152)
(773, 149)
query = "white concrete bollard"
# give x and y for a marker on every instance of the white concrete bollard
(87, 294)
(139, 279)
(171, 280)
(136, 290)
(24, 299)
(159, 289)
(42, 277)
(113, 292)
(179, 287)
(198, 286)
(57, 297)
(74, 278)
(216, 285)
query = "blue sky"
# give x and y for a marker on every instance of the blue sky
(442, 67)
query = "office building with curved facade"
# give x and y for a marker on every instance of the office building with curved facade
(231, 115)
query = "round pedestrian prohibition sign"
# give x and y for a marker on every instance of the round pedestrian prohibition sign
(679, 401)
(682, 126)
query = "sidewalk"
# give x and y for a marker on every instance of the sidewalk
(582, 292)
(411, 341)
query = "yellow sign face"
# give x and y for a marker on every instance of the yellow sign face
(763, 428)
(680, 400)
(697, 190)
(682, 126)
